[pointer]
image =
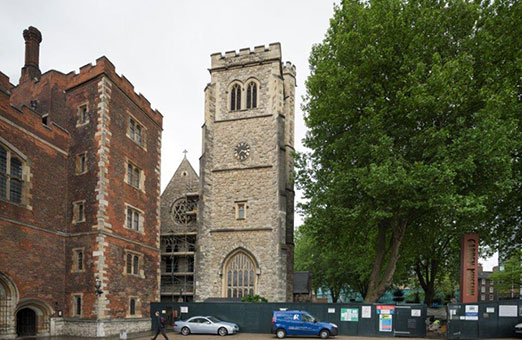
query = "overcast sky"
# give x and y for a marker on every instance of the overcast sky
(163, 48)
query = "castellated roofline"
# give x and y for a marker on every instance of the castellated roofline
(246, 56)
(105, 66)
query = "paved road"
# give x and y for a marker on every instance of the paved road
(239, 336)
(257, 336)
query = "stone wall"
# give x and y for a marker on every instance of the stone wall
(261, 180)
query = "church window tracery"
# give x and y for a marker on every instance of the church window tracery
(251, 95)
(240, 279)
(183, 211)
(235, 98)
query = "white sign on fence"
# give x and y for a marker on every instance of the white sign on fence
(509, 311)
(366, 312)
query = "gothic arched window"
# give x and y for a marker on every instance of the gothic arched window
(240, 275)
(251, 96)
(235, 98)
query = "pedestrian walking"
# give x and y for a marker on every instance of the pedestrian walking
(160, 326)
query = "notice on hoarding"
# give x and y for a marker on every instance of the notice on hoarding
(507, 311)
(416, 312)
(490, 309)
(385, 309)
(385, 322)
(183, 309)
(472, 312)
(331, 310)
(366, 312)
(350, 314)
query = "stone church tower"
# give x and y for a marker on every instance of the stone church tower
(245, 218)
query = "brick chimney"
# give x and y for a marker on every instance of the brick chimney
(31, 69)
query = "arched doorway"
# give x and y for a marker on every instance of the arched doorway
(26, 322)
(33, 317)
(8, 301)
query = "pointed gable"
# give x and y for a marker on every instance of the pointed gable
(183, 184)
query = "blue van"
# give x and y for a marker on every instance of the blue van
(297, 322)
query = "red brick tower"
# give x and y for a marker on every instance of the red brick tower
(84, 211)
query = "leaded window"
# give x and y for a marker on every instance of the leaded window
(235, 98)
(78, 211)
(240, 276)
(83, 114)
(80, 260)
(81, 163)
(3, 173)
(11, 177)
(136, 131)
(133, 219)
(129, 263)
(133, 264)
(251, 95)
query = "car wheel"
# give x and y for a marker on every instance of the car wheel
(222, 331)
(185, 331)
(280, 333)
(324, 334)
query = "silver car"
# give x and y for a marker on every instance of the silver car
(205, 325)
(518, 329)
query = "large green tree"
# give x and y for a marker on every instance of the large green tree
(329, 268)
(508, 280)
(408, 124)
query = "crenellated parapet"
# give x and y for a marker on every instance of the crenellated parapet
(5, 84)
(105, 66)
(260, 54)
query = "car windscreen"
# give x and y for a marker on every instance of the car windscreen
(213, 319)
(308, 318)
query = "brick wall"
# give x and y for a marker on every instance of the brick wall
(41, 235)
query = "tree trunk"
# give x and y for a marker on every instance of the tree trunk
(335, 295)
(427, 282)
(379, 283)
(429, 293)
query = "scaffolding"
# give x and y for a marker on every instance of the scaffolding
(177, 266)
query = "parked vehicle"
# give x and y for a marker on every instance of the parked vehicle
(205, 325)
(295, 322)
(518, 329)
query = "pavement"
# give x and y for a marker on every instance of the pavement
(239, 336)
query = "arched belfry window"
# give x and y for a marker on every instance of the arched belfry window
(235, 98)
(11, 180)
(251, 95)
(240, 275)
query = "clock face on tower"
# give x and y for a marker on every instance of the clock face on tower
(242, 151)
